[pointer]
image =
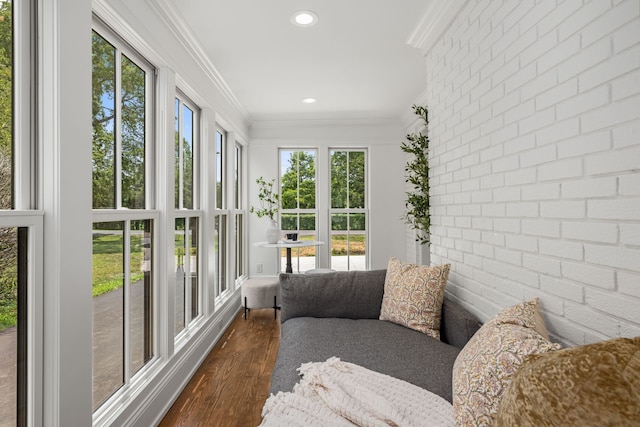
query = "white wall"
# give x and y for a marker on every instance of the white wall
(386, 180)
(535, 137)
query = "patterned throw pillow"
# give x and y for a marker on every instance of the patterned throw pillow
(413, 296)
(590, 385)
(484, 367)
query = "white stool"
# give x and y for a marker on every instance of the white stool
(260, 293)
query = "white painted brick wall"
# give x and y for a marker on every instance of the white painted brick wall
(535, 137)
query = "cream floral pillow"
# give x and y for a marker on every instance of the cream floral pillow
(413, 296)
(484, 367)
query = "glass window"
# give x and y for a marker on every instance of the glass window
(220, 255)
(108, 309)
(187, 150)
(348, 210)
(239, 265)
(298, 204)
(123, 234)
(220, 169)
(141, 293)
(20, 344)
(119, 127)
(221, 215)
(13, 324)
(187, 306)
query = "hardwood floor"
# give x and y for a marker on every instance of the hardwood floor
(231, 386)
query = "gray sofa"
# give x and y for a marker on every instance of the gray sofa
(336, 314)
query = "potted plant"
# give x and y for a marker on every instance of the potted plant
(269, 202)
(417, 169)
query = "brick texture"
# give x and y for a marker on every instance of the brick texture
(535, 151)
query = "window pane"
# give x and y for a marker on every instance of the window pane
(141, 320)
(180, 251)
(103, 107)
(289, 222)
(13, 325)
(298, 180)
(193, 266)
(219, 170)
(187, 157)
(338, 179)
(108, 310)
(237, 184)
(178, 163)
(133, 135)
(307, 222)
(6, 107)
(357, 241)
(220, 234)
(356, 180)
(239, 267)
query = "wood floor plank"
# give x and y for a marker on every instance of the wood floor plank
(232, 384)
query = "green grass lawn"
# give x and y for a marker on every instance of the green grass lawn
(108, 262)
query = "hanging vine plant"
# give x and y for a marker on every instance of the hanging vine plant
(417, 169)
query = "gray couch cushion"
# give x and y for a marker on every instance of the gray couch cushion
(352, 294)
(458, 324)
(375, 344)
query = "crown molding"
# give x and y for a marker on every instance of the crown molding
(435, 21)
(175, 23)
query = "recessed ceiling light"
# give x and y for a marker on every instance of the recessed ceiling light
(304, 18)
(309, 100)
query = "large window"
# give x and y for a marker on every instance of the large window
(20, 230)
(188, 217)
(123, 227)
(298, 203)
(221, 215)
(348, 211)
(240, 212)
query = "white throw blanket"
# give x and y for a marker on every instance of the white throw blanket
(336, 393)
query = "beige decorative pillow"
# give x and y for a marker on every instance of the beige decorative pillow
(591, 385)
(486, 364)
(413, 296)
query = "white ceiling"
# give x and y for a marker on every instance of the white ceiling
(355, 60)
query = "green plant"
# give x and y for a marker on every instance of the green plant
(417, 169)
(269, 200)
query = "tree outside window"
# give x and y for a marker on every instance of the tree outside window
(298, 203)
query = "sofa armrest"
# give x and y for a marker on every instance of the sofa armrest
(345, 294)
(458, 324)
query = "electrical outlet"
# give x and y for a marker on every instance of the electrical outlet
(259, 268)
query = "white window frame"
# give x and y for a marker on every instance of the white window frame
(295, 253)
(222, 290)
(239, 209)
(132, 384)
(33, 221)
(123, 48)
(197, 150)
(190, 323)
(364, 210)
(24, 213)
